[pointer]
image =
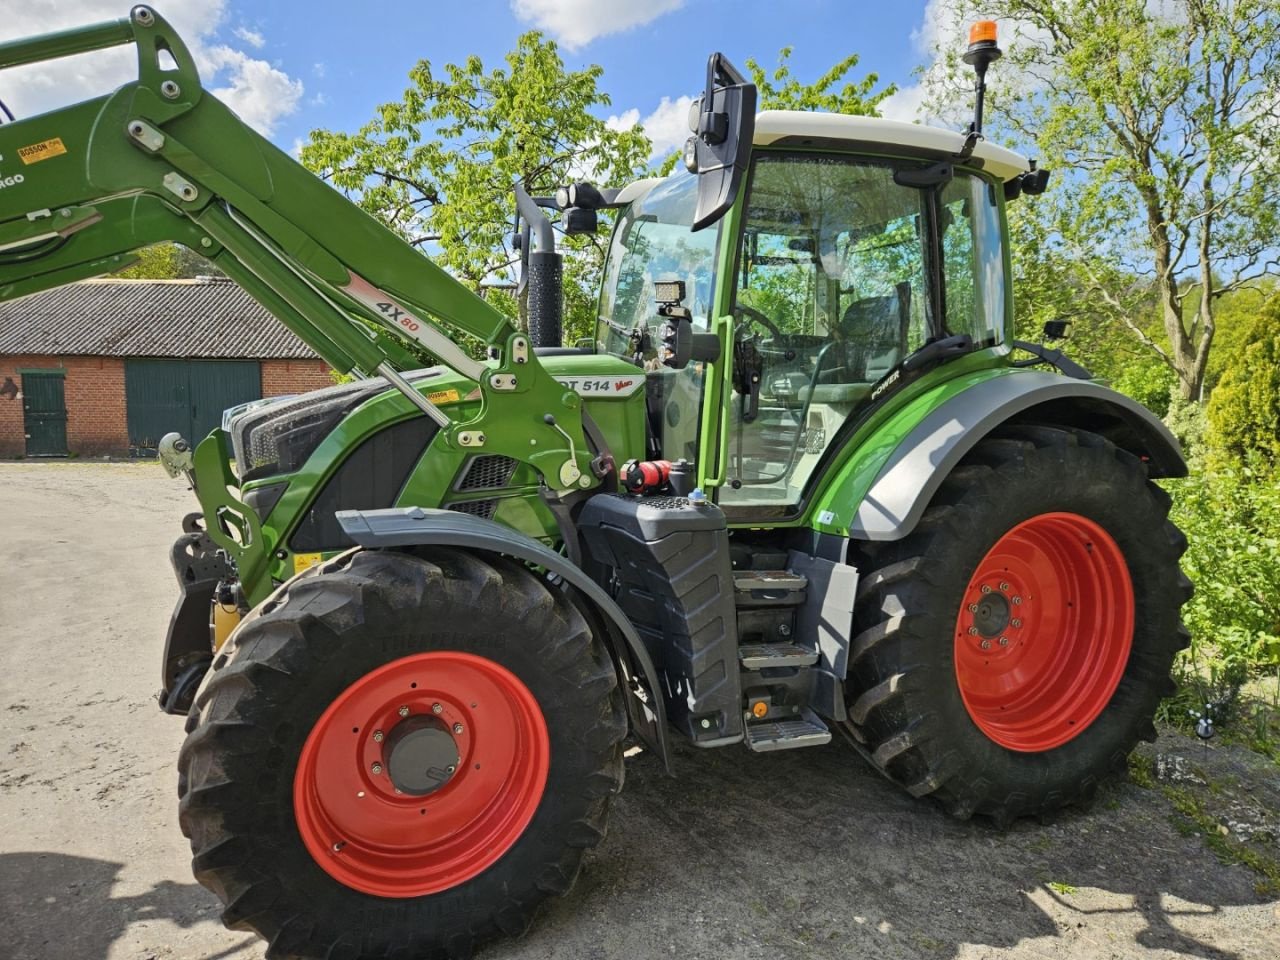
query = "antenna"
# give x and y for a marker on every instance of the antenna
(981, 54)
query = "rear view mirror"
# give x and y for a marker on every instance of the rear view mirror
(723, 122)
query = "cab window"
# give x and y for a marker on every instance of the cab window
(841, 274)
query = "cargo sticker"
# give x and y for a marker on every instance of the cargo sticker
(603, 386)
(444, 396)
(305, 561)
(44, 150)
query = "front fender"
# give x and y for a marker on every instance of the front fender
(912, 471)
(418, 526)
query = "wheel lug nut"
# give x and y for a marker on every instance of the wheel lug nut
(376, 768)
(1017, 600)
(436, 708)
(404, 711)
(1004, 641)
(986, 644)
(457, 728)
(450, 768)
(973, 608)
(1015, 622)
(973, 631)
(377, 736)
(1004, 586)
(985, 588)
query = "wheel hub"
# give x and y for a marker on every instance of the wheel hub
(421, 755)
(992, 614)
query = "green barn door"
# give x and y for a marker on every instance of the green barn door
(157, 401)
(217, 385)
(44, 412)
(183, 395)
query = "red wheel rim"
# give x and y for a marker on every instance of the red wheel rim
(1044, 632)
(372, 837)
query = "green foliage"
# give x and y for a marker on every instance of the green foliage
(158, 262)
(1232, 522)
(1158, 121)
(1244, 409)
(438, 165)
(1150, 382)
(782, 91)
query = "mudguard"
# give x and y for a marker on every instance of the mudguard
(913, 472)
(419, 526)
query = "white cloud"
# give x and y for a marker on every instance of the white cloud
(667, 126)
(576, 23)
(256, 90)
(252, 37)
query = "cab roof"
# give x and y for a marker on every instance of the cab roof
(802, 128)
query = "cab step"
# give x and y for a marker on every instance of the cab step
(803, 731)
(760, 656)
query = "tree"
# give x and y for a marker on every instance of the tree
(438, 165)
(1244, 410)
(782, 91)
(1163, 121)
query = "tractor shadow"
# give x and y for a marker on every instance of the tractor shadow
(59, 907)
(811, 853)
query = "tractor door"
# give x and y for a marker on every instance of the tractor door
(653, 242)
(842, 272)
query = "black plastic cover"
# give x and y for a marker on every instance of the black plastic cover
(667, 562)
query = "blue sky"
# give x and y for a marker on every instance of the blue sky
(290, 66)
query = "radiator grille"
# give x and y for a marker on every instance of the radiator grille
(489, 472)
(477, 508)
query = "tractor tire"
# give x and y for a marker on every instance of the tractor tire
(1011, 650)
(400, 755)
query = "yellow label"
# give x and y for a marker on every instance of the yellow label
(443, 396)
(53, 147)
(303, 561)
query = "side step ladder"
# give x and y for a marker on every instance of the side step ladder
(805, 730)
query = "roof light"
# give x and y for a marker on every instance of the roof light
(982, 30)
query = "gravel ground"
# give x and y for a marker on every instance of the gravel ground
(801, 854)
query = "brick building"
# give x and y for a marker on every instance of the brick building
(107, 367)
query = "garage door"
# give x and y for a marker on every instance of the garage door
(183, 395)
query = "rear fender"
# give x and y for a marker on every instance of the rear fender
(417, 526)
(913, 470)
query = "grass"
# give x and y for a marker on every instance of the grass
(1190, 819)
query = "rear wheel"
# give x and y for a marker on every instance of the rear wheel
(1012, 649)
(400, 755)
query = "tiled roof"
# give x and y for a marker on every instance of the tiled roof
(147, 318)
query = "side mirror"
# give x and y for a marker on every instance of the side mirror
(1056, 329)
(723, 122)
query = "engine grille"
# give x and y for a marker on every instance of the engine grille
(477, 508)
(489, 472)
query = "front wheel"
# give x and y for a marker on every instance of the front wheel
(1011, 650)
(400, 755)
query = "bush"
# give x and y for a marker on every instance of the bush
(1232, 521)
(1244, 409)
(1150, 382)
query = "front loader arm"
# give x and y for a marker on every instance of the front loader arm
(161, 159)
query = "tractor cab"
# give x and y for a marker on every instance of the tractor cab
(860, 253)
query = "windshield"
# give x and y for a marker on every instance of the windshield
(653, 241)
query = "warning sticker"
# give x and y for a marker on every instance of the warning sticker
(303, 561)
(443, 396)
(44, 150)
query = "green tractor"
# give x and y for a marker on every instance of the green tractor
(802, 482)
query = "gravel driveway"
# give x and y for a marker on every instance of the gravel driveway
(807, 853)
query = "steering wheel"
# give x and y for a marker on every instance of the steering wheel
(759, 317)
